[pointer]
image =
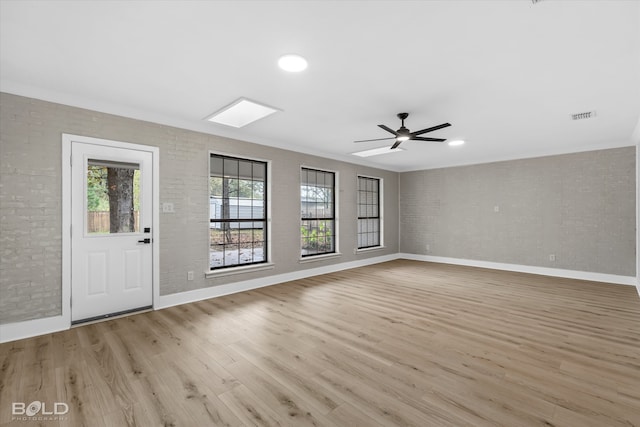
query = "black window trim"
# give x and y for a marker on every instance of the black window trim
(265, 211)
(379, 217)
(333, 218)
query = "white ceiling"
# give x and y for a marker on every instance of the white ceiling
(506, 74)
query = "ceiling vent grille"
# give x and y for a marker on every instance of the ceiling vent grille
(582, 116)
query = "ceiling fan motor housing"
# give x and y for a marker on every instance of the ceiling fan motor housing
(403, 134)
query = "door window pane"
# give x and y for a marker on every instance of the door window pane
(113, 197)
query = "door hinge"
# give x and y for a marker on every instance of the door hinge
(70, 160)
(71, 231)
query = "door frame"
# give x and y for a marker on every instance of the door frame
(67, 140)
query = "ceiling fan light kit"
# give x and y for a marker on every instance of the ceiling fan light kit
(404, 134)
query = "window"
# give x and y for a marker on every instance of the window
(317, 207)
(368, 212)
(113, 197)
(237, 212)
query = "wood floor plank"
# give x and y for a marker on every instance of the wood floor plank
(250, 409)
(348, 415)
(393, 344)
(198, 389)
(483, 401)
(319, 397)
(385, 404)
(291, 408)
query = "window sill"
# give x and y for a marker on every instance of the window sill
(365, 250)
(315, 258)
(238, 270)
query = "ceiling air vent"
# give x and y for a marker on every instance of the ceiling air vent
(582, 116)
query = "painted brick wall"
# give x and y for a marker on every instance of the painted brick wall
(30, 212)
(30, 201)
(579, 207)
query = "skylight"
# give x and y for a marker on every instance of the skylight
(377, 151)
(241, 112)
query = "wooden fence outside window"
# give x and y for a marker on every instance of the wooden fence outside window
(98, 222)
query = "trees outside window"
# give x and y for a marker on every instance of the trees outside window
(113, 197)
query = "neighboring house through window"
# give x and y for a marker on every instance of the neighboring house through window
(317, 207)
(369, 225)
(237, 211)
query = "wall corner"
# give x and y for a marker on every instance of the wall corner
(636, 139)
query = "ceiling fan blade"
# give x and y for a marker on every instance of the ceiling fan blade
(379, 139)
(394, 146)
(421, 138)
(420, 132)
(388, 129)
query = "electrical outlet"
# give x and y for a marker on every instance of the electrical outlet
(552, 257)
(427, 247)
(189, 275)
(167, 207)
(496, 208)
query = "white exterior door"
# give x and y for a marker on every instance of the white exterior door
(111, 235)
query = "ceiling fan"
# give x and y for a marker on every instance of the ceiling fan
(404, 134)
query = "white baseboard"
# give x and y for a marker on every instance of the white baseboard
(32, 328)
(543, 271)
(165, 301)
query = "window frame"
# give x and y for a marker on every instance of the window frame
(380, 216)
(251, 266)
(334, 218)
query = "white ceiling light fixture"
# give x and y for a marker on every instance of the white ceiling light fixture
(292, 63)
(377, 151)
(241, 112)
(455, 142)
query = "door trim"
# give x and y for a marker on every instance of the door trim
(67, 140)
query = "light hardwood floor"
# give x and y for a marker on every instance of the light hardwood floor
(401, 343)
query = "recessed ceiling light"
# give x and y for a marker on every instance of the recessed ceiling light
(456, 142)
(292, 63)
(241, 112)
(376, 151)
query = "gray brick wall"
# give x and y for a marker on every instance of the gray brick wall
(579, 207)
(31, 213)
